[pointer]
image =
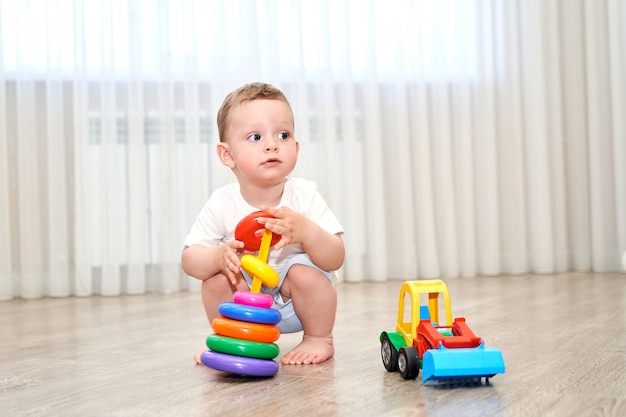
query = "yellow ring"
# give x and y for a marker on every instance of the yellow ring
(257, 268)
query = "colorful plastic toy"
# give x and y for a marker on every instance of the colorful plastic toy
(239, 347)
(250, 232)
(253, 299)
(249, 313)
(245, 332)
(445, 353)
(247, 366)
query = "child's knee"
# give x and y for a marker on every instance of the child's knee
(306, 277)
(219, 284)
(213, 283)
(215, 286)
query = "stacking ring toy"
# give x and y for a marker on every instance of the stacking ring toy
(249, 314)
(248, 231)
(239, 364)
(243, 337)
(253, 299)
(259, 269)
(243, 330)
(240, 347)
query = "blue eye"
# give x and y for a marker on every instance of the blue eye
(254, 137)
(283, 136)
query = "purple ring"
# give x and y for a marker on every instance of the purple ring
(238, 364)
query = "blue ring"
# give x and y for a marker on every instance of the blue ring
(238, 364)
(249, 314)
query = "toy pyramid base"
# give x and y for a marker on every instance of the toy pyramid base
(238, 364)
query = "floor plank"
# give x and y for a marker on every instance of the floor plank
(562, 337)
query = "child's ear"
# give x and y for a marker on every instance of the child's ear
(223, 153)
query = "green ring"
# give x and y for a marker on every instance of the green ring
(240, 347)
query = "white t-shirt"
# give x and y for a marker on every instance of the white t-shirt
(219, 217)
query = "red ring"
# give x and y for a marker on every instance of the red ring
(250, 232)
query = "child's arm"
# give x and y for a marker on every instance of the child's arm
(326, 250)
(204, 262)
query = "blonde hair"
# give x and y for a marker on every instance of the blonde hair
(252, 91)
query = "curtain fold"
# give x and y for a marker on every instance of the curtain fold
(451, 138)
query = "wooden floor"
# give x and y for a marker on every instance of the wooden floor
(563, 338)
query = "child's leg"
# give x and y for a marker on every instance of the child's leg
(315, 302)
(215, 291)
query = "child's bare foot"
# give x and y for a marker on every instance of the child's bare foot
(197, 357)
(312, 349)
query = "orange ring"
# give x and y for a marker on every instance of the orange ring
(249, 231)
(244, 330)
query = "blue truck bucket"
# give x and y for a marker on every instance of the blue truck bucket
(448, 365)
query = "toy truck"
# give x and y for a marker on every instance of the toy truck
(445, 353)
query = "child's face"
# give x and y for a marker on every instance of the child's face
(260, 145)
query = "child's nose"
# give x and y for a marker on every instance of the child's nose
(271, 144)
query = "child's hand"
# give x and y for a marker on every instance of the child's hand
(229, 259)
(326, 250)
(291, 225)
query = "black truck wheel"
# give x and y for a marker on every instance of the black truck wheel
(389, 354)
(408, 362)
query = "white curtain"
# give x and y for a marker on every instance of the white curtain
(450, 137)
